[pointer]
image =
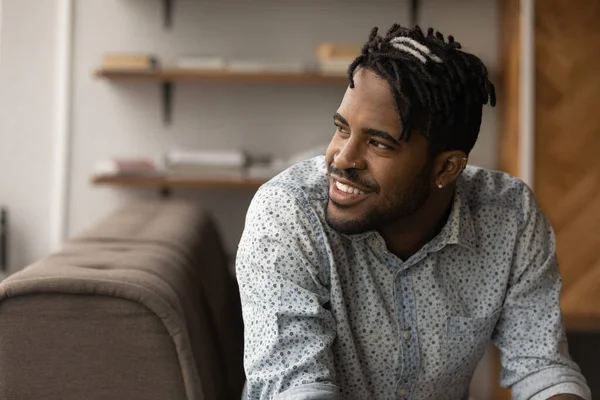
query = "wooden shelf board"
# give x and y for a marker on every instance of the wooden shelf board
(181, 75)
(182, 183)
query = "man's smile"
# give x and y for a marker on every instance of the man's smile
(344, 194)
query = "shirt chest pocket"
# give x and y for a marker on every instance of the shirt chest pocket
(467, 341)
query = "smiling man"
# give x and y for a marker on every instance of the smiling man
(382, 270)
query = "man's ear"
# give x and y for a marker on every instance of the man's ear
(448, 166)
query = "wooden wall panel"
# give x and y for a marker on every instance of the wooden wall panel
(567, 140)
(567, 148)
(508, 102)
(508, 89)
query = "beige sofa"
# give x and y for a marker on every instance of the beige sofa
(142, 306)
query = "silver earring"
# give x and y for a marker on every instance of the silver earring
(354, 165)
(440, 185)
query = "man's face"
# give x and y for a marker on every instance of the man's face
(391, 179)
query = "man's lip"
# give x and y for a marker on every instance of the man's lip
(345, 182)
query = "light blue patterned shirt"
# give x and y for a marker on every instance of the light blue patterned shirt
(334, 316)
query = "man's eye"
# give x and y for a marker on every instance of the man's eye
(379, 145)
(341, 130)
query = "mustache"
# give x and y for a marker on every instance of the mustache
(352, 176)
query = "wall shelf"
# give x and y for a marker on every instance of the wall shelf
(163, 183)
(183, 75)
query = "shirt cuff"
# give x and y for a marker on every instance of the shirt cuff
(311, 391)
(564, 388)
(551, 382)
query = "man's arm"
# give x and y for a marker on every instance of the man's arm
(530, 334)
(287, 329)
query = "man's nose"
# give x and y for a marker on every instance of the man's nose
(349, 156)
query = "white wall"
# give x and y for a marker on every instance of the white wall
(125, 119)
(27, 71)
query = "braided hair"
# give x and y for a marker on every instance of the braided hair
(438, 89)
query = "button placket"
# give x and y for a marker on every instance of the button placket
(409, 357)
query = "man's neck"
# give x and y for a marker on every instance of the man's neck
(407, 236)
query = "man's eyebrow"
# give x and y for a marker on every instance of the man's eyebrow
(370, 131)
(382, 135)
(338, 117)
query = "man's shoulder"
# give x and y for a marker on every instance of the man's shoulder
(306, 181)
(489, 188)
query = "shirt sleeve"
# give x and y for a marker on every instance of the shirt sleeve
(529, 333)
(288, 330)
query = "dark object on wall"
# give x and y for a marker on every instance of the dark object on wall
(3, 239)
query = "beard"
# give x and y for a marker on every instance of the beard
(394, 207)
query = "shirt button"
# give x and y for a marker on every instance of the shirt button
(402, 392)
(407, 335)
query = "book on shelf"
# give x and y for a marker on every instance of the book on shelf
(265, 170)
(203, 172)
(201, 63)
(267, 167)
(269, 66)
(209, 63)
(130, 62)
(205, 164)
(208, 158)
(128, 167)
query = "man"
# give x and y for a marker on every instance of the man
(382, 270)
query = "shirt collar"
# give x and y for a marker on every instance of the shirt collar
(458, 229)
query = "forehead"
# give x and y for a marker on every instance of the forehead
(370, 102)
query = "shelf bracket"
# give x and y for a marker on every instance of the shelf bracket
(168, 13)
(165, 192)
(167, 101)
(414, 12)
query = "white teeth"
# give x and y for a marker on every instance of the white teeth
(348, 189)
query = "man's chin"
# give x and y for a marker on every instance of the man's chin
(342, 220)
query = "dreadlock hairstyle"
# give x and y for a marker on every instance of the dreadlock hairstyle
(438, 89)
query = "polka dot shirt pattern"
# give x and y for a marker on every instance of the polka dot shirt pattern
(334, 316)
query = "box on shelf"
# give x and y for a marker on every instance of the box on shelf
(333, 51)
(334, 59)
